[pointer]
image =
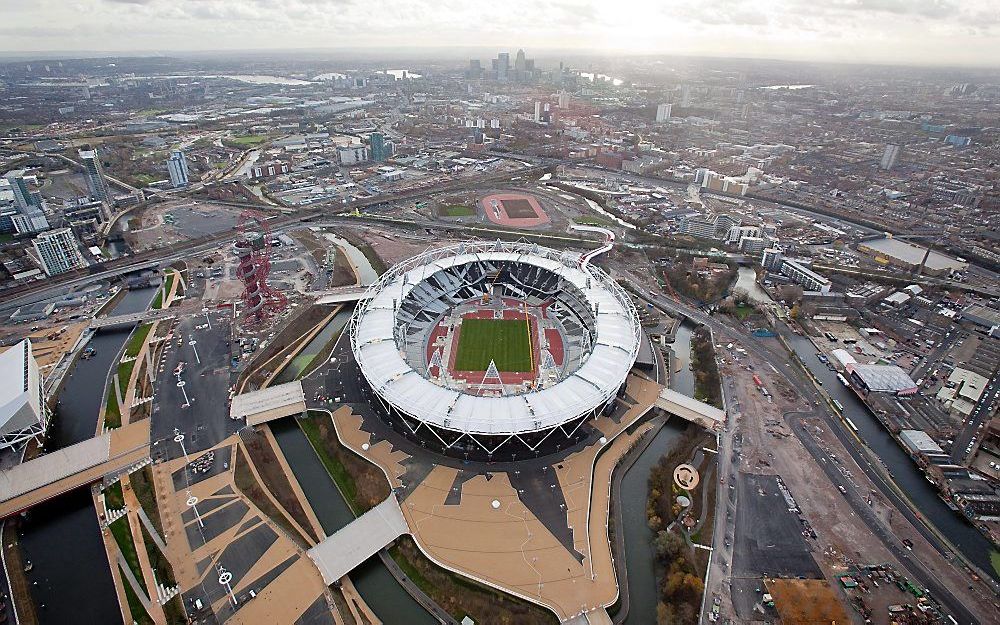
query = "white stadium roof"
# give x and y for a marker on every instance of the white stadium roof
(596, 381)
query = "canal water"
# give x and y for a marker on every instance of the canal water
(681, 379)
(71, 582)
(377, 586)
(366, 273)
(910, 479)
(332, 329)
(746, 279)
(639, 562)
(642, 591)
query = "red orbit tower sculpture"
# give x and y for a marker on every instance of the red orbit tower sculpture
(253, 248)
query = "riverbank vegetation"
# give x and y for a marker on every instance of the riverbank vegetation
(679, 582)
(701, 286)
(707, 381)
(460, 596)
(362, 483)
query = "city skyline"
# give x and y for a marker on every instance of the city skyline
(920, 32)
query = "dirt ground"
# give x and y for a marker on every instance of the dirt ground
(770, 447)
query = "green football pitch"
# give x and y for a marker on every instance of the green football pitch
(504, 341)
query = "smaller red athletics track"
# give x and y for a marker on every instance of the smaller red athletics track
(513, 209)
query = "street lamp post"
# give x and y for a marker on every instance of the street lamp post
(193, 343)
(225, 578)
(181, 384)
(179, 439)
(192, 502)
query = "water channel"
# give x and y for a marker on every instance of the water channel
(318, 342)
(746, 279)
(377, 586)
(905, 473)
(366, 273)
(639, 562)
(70, 580)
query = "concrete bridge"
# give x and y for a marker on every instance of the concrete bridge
(53, 474)
(690, 409)
(341, 295)
(339, 554)
(155, 314)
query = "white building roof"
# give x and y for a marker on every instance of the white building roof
(884, 378)
(594, 382)
(20, 389)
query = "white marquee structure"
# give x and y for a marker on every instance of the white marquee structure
(391, 327)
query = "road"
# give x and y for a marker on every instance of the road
(806, 390)
(55, 286)
(858, 503)
(979, 416)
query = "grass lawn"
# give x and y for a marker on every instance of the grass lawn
(587, 220)
(123, 536)
(743, 311)
(457, 210)
(112, 415)
(135, 607)
(247, 140)
(504, 341)
(113, 497)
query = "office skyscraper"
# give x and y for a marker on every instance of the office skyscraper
(538, 112)
(503, 66)
(381, 150)
(889, 157)
(94, 173)
(58, 251)
(178, 169)
(685, 96)
(663, 112)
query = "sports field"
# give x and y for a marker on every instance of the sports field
(504, 341)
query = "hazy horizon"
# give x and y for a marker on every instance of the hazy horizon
(891, 32)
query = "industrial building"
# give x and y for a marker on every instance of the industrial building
(909, 257)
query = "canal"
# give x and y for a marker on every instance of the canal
(966, 538)
(639, 561)
(377, 586)
(303, 359)
(70, 580)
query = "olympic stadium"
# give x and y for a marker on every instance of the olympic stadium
(494, 351)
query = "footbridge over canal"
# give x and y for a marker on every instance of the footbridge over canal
(106, 456)
(339, 554)
(690, 409)
(155, 314)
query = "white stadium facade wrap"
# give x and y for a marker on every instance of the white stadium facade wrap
(596, 324)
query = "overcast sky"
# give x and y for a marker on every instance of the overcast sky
(965, 32)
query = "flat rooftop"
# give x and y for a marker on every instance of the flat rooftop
(913, 254)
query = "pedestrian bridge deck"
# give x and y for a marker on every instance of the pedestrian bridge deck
(359, 540)
(53, 474)
(690, 409)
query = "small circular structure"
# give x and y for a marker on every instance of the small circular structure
(496, 504)
(571, 336)
(686, 476)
